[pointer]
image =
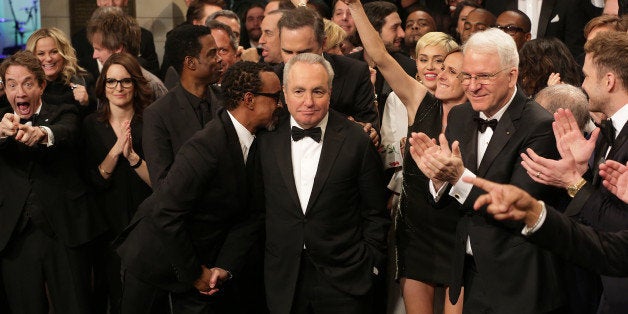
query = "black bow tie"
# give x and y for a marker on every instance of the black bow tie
(314, 133)
(608, 131)
(31, 119)
(483, 124)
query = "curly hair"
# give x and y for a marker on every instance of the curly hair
(25, 59)
(241, 78)
(66, 51)
(539, 58)
(142, 95)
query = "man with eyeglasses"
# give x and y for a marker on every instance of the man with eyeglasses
(200, 224)
(500, 270)
(516, 24)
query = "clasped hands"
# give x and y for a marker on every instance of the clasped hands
(437, 161)
(574, 151)
(27, 134)
(210, 280)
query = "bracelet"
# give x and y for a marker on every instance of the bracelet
(138, 164)
(103, 171)
(529, 230)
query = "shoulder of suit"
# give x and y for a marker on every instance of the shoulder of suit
(346, 63)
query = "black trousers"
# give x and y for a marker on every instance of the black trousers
(36, 266)
(315, 295)
(139, 297)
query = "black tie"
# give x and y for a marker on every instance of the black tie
(608, 131)
(483, 124)
(314, 133)
(31, 119)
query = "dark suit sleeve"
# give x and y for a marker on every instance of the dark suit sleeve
(602, 252)
(364, 98)
(157, 146)
(65, 129)
(375, 219)
(176, 198)
(599, 208)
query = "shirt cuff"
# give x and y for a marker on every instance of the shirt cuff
(51, 137)
(597, 3)
(437, 194)
(460, 191)
(539, 222)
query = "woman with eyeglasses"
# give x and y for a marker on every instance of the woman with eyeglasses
(425, 232)
(115, 162)
(65, 78)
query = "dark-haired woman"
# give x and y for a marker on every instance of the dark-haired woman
(115, 163)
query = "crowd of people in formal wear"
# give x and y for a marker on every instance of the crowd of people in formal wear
(300, 156)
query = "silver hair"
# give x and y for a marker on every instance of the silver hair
(494, 40)
(309, 58)
(568, 97)
(233, 40)
(225, 13)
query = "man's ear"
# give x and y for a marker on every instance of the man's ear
(189, 62)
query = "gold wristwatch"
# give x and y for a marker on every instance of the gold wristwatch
(573, 189)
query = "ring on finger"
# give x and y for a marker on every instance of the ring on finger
(538, 174)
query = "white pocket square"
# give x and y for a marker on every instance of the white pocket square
(555, 19)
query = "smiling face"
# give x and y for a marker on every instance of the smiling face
(22, 90)
(118, 95)
(51, 60)
(392, 33)
(307, 93)
(449, 88)
(429, 63)
(491, 97)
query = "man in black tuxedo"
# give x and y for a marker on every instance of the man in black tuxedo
(326, 221)
(605, 65)
(172, 120)
(46, 212)
(563, 19)
(203, 219)
(302, 30)
(487, 251)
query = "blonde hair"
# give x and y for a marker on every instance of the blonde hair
(335, 35)
(438, 39)
(66, 51)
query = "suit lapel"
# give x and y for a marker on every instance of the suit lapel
(503, 133)
(337, 80)
(44, 116)
(281, 145)
(547, 9)
(331, 147)
(234, 147)
(620, 141)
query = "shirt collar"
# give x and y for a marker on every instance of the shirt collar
(619, 119)
(244, 136)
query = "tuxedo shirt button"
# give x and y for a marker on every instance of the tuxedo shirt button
(457, 196)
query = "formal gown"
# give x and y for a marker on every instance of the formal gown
(117, 197)
(425, 232)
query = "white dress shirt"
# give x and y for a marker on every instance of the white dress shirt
(244, 136)
(305, 156)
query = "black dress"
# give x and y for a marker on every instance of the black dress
(425, 231)
(117, 198)
(57, 92)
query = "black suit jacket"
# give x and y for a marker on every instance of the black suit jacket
(499, 249)
(352, 90)
(345, 224)
(202, 213)
(605, 253)
(563, 19)
(84, 52)
(49, 178)
(168, 123)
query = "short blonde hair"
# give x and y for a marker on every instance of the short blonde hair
(335, 35)
(438, 39)
(67, 52)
